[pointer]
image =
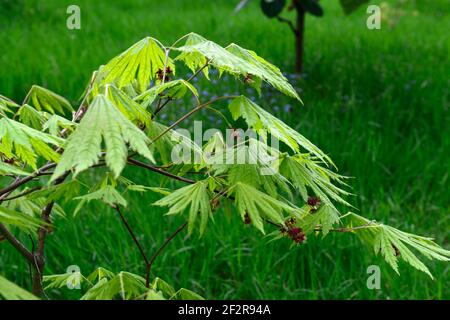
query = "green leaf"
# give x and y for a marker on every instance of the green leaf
(325, 217)
(31, 117)
(305, 173)
(100, 273)
(172, 90)
(139, 64)
(102, 122)
(258, 205)
(196, 197)
(131, 109)
(194, 60)
(262, 122)
(237, 61)
(55, 123)
(185, 294)
(6, 105)
(125, 285)
(394, 244)
(6, 168)
(44, 99)
(23, 221)
(11, 291)
(26, 143)
(107, 194)
(64, 280)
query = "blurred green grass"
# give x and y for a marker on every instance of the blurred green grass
(376, 101)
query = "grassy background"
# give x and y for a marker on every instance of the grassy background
(376, 101)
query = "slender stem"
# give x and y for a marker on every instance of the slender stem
(16, 243)
(130, 231)
(158, 252)
(198, 71)
(187, 115)
(160, 171)
(16, 184)
(26, 192)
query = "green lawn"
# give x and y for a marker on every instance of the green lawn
(376, 101)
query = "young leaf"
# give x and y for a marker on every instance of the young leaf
(394, 244)
(107, 194)
(19, 219)
(139, 63)
(26, 143)
(44, 99)
(196, 197)
(258, 205)
(6, 168)
(262, 122)
(102, 121)
(234, 60)
(171, 90)
(11, 291)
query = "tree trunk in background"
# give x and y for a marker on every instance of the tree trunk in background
(299, 39)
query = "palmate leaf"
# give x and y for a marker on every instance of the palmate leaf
(305, 173)
(6, 169)
(102, 122)
(138, 64)
(31, 206)
(263, 122)
(11, 291)
(25, 143)
(131, 109)
(7, 105)
(192, 59)
(267, 71)
(394, 244)
(176, 89)
(44, 99)
(18, 219)
(258, 205)
(324, 218)
(234, 60)
(54, 125)
(107, 194)
(31, 117)
(124, 285)
(171, 142)
(196, 197)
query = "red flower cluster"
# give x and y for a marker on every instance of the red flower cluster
(294, 233)
(160, 74)
(314, 202)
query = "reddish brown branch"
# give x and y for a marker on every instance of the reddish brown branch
(158, 252)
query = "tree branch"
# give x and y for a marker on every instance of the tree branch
(158, 252)
(130, 231)
(160, 171)
(16, 184)
(16, 243)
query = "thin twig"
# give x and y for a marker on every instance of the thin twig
(289, 22)
(130, 231)
(187, 115)
(160, 171)
(158, 252)
(26, 192)
(16, 243)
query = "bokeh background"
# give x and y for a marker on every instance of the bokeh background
(377, 101)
